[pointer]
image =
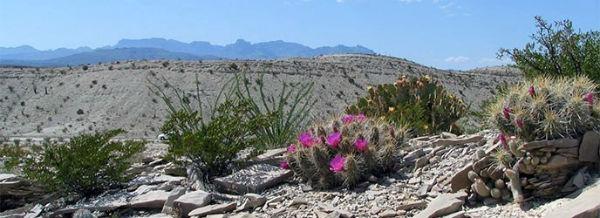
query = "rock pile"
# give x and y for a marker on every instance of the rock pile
(542, 169)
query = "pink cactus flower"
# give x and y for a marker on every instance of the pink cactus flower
(531, 91)
(347, 118)
(336, 164)
(306, 139)
(291, 149)
(361, 144)
(284, 165)
(360, 117)
(519, 123)
(334, 139)
(589, 98)
(502, 139)
(506, 112)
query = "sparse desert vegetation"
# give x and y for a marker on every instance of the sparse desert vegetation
(350, 135)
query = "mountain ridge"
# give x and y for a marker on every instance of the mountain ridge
(168, 49)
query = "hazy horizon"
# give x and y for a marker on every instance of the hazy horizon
(446, 34)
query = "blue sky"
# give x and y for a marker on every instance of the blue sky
(448, 34)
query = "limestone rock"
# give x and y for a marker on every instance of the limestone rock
(458, 141)
(213, 209)
(558, 143)
(460, 180)
(253, 179)
(173, 195)
(252, 201)
(150, 200)
(584, 205)
(413, 155)
(589, 149)
(559, 162)
(444, 204)
(83, 213)
(272, 156)
(191, 201)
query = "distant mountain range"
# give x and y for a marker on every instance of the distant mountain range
(158, 48)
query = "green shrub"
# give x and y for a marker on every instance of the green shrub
(289, 109)
(344, 152)
(545, 108)
(12, 154)
(419, 103)
(88, 164)
(210, 142)
(557, 50)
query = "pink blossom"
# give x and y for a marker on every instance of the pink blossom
(360, 117)
(531, 91)
(589, 98)
(519, 123)
(360, 144)
(502, 139)
(284, 165)
(347, 118)
(306, 139)
(336, 164)
(506, 112)
(291, 148)
(334, 139)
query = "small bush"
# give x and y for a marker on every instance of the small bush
(209, 141)
(344, 152)
(88, 164)
(545, 108)
(84, 67)
(419, 103)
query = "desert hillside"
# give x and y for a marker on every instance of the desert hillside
(56, 102)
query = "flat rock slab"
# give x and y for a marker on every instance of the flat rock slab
(272, 156)
(587, 204)
(253, 179)
(558, 143)
(151, 200)
(457, 141)
(190, 201)
(460, 180)
(589, 147)
(213, 209)
(444, 204)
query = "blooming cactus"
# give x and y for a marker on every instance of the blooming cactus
(306, 139)
(334, 139)
(360, 144)
(551, 109)
(350, 149)
(336, 164)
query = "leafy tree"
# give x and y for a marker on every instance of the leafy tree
(558, 50)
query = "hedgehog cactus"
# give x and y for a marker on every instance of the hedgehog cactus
(420, 103)
(344, 151)
(548, 109)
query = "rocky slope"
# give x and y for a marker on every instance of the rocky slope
(420, 186)
(60, 102)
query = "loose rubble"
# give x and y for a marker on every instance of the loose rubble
(431, 179)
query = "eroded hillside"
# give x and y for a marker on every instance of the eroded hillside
(64, 101)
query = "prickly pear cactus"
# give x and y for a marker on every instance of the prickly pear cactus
(420, 103)
(344, 151)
